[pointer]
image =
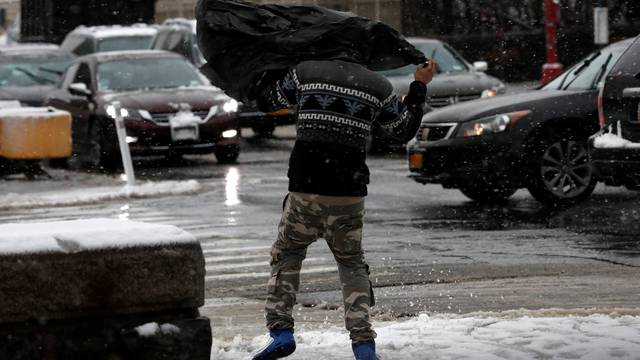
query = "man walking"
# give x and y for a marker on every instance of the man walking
(337, 103)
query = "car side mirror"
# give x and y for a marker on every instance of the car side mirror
(79, 89)
(481, 66)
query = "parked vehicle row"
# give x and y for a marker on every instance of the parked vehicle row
(169, 107)
(536, 140)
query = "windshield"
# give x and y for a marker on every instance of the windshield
(124, 43)
(588, 73)
(122, 75)
(447, 61)
(32, 73)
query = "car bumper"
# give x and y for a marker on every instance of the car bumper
(147, 138)
(616, 166)
(463, 161)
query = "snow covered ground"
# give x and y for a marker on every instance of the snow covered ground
(511, 335)
(88, 195)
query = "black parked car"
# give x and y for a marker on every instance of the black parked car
(616, 148)
(179, 36)
(491, 147)
(29, 71)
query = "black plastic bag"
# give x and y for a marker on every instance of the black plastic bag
(245, 43)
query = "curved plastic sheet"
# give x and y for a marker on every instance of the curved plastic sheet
(248, 44)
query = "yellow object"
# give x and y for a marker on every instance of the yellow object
(415, 161)
(34, 133)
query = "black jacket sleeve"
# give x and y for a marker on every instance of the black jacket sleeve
(400, 120)
(279, 95)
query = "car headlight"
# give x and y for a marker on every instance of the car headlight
(111, 111)
(230, 106)
(489, 93)
(229, 134)
(491, 124)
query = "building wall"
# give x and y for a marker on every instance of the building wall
(11, 7)
(387, 11)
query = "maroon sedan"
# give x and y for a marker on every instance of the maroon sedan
(168, 106)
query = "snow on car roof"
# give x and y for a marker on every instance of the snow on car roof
(117, 30)
(132, 54)
(181, 22)
(88, 234)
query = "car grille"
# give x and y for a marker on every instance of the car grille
(441, 101)
(434, 132)
(163, 118)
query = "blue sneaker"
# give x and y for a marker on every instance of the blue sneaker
(365, 351)
(281, 344)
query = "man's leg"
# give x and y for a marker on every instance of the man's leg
(344, 236)
(300, 226)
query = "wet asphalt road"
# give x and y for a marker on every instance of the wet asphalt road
(429, 249)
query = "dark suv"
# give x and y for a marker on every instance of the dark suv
(179, 36)
(615, 150)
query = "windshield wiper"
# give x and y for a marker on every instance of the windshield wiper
(601, 73)
(51, 71)
(577, 71)
(39, 79)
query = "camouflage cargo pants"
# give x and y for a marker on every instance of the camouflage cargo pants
(302, 223)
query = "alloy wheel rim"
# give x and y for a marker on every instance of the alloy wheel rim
(566, 169)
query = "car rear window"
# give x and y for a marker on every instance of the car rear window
(137, 74)
(124, 43)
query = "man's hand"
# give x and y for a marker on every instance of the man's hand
(425, 72)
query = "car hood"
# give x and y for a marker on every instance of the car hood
(27, 95)
(467, 83)
(167, 100)
(470, 110)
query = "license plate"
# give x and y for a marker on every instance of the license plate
(184, 133)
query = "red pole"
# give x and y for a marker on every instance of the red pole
(551, 21)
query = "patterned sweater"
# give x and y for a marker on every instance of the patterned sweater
(338, 103)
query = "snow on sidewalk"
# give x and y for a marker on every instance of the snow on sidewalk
(96, 194)
(596, 337)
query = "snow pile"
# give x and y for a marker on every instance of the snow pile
(151, 329)
(448, 337)
(613, 141)
(93, 195)
(91, 234)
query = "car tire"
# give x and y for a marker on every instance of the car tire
(264, 128)
(227, 154)
(483, 192)
(561, 171)
(98, 158)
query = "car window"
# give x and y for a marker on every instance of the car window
(629, 64)
(588, 73)
(83, 75)
(32, 71)
(448, 61)
(69, 75)
(78, 44)
(160, 40)
(137, 74)
(124, 43)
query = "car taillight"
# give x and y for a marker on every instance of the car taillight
(600, 108)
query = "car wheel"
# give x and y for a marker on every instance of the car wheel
(264, 128)
(562, 172)
(227, 154)
(488, 193)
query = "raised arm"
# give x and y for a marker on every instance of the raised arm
(400, 120)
